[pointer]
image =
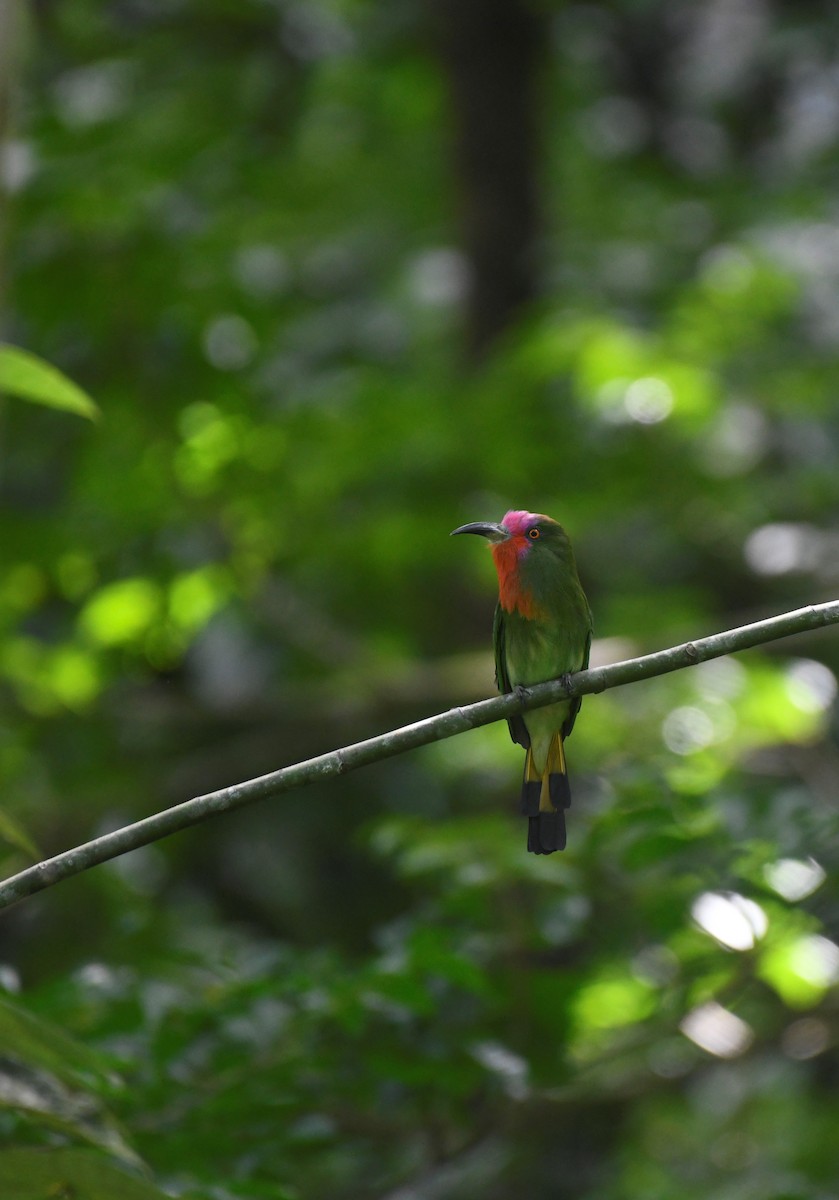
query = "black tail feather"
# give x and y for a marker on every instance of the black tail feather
(560, 791)
(530, 791)
(545, 795)
(546, 832)
(546, 829)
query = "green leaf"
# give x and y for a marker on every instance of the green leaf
(13, 833)
(40, 1042)
(53, 1080)
(121, 612)
(42, 1099)
(29, 1174)
(24, 374)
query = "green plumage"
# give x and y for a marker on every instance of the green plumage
(554, 641)
(542, 631)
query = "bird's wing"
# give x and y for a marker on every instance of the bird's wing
(516, 725)
(577, 700)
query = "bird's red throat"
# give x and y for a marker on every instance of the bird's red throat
(512, 595)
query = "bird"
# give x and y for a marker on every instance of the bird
(541, 630)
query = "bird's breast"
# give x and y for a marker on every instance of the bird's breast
(537, 650)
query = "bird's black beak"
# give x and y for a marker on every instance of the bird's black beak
(493, 533)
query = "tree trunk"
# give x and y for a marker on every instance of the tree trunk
(492, 52)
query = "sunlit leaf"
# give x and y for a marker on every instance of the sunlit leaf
(801, 968)
(121, 612)
(612, 1002)
(25, 375)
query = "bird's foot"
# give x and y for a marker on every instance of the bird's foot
(521, 692)
(566, 680)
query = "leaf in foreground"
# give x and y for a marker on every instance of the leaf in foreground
(30, 1174)
(24, 374)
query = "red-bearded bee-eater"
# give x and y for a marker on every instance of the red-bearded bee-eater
(542, 630)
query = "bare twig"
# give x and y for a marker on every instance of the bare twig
(432, 729)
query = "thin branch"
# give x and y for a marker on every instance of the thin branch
(386, 745)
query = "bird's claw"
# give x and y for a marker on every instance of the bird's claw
(566, 681)
(521, 692)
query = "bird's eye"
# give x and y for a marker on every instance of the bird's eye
(533, 533)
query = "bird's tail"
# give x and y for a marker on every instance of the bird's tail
(544, 799)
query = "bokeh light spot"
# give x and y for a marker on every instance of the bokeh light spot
(730, 919)
(715, 1029)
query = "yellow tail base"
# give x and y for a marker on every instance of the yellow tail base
(545, 796)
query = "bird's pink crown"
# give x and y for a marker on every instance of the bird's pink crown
(518, 521)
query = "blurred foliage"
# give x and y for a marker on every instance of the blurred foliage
(232, 225)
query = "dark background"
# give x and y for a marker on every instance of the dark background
(342, 276)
